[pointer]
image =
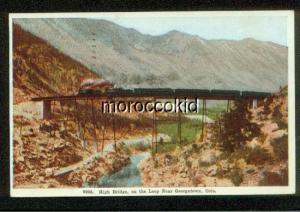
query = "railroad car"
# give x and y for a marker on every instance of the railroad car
(189, 92)
(224, 93)
(119, 92)
(255, 94)
(154, 91)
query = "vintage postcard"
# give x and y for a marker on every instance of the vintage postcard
(152, 103)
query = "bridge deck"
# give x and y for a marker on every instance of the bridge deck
(163, 94)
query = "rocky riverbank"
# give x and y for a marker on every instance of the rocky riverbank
(100, 166)
(41, 149)
(39, 155)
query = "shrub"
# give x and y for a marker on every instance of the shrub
(277, 117)
(267, 109)
(262, 138)
(125, 149)
(235, 128)
(188, 163)
(236, 176)
(196, 148)
(155, 163)
(221, 173)
(275, 179)
(203, 163)
(224, 156)
(238, 154)
(280, 147)
(140, 146)
(170, 160)
(257, 155)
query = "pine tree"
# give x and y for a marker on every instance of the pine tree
(237, 128)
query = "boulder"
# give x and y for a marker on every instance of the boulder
(212, 171)
(41, 179)
(20, 159)
(224, 165)
(249, 170)
(84, 177)
(49, 172)
(208, 158)
(170, 160)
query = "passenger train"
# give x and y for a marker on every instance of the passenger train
(105, 87)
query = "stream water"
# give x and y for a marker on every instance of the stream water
(128, 176)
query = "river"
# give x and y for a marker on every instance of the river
(129, 175)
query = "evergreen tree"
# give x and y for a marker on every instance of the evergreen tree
(237, 128)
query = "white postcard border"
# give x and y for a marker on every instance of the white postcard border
(138, 191)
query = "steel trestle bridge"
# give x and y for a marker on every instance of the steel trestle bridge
(252, 97)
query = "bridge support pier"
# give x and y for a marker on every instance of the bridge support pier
(203, 119)
(254, 103)
(228, 106)
(154, 133)
(79, 132)
(103, 129)
(114, 129)
(94, 128)
(46, 109)
(179, 128)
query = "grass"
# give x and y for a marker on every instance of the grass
(168, 147)
(189, 129)
(170, 129)
(214, 112)
(139, 146)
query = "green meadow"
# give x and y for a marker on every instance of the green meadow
(189, 128)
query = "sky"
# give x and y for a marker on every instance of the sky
(265, 28)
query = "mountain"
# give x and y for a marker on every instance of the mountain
(41, 70)
(175, 59)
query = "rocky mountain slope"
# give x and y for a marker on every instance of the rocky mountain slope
(40, 70)
(175, 59)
